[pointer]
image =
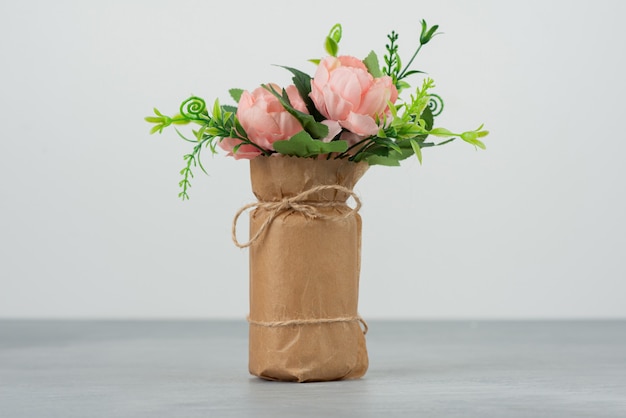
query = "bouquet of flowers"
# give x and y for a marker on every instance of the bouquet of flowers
(350, 109)
(308, 144)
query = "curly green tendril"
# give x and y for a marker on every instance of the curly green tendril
(193, 108)
(435, 104)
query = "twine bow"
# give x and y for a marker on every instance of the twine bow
(297, 203)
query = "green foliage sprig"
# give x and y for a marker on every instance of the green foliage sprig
(393, 63)
(331, 43)
(214, 127)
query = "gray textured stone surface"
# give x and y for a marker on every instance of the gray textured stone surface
(199, 369)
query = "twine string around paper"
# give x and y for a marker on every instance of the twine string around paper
(297, 203)
(312, 321)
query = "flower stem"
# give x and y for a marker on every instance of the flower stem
(410, 62)
(345, 153)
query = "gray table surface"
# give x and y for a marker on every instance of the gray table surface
(199, 369)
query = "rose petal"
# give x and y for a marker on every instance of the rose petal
(360, 124)
(247, 152)
(333, 129)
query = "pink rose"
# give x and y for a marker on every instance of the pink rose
(265, 120)
(344, 91)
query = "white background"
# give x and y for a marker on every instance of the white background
(90, 225)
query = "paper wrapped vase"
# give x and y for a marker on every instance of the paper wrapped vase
(305, 256)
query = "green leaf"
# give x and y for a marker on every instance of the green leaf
(236, 94)
(237, 131)
(381, 160)
(473, 141)
(469, 136)
(401, 85)
(212, 131)
(229, 109)
(427, 117)
(441, 132)
(441, 143)
(303, 145)
(427, 34)
(388, 143)
(331, 46)
(408, 73)
(371, 62)
(431, 32)
(217, 110)
(184, 137)
(315, 61)
(416, 149)
(335, 32)
(302, 81)
(424, 29)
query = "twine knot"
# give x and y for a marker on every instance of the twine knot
(297, 203)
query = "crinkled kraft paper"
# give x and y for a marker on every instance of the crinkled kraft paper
(305, 268)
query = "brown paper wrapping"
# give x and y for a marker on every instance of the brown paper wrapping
(304, 268)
